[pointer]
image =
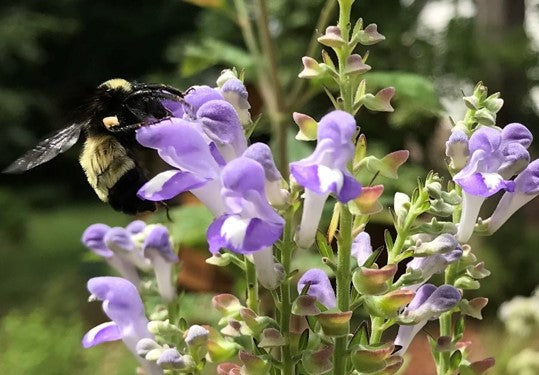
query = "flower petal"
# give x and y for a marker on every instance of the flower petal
(485, 184)
(104, 332)
(320, 287)
(93, 238)
(168, 184)
(222, 125)
(181, 146)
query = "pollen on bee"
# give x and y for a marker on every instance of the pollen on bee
(110, 121)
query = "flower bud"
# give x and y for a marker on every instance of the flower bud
(371, 281)
(335, 324)
(254, 365)
(196, 336)
(145, 345)
(388, 305)
(332, 38)
(171, 359)
(317, 362)
(371, 358)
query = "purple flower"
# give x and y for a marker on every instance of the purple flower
(362, 248)
(261, 153)
(234, 92)
(182, 147)
(325, 171)
(433, 264)
(120, 241)
(320, 287)
(249, 225)
(94, 239)
(456, 148)
(135, 227)
(495, 156)
(526, 188)
(157, 248)
(171, 359)
(429, 303)
(122, 304)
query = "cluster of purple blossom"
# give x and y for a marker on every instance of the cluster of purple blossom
(487, 160)
(204, 143)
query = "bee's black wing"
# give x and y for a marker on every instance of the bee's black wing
(47, 149)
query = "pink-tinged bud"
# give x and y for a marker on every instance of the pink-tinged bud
(388, 166)
(394, 363)
(305, 306)
(233, 328)
(255, 322)
(355, 65)
(367, 203)
(311, 68)
(388, 305)
(480, 367)
(271, 338)
(254, 365)
(228, 368)
(332, 38)
(335, 324)
(318, 362)
(371, 358)
(227, 304)
(307, 127)
(370, 35)
(473, 307)
(372, 281)
(381, 102)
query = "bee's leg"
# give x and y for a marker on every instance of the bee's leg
(160, 86)
(167, 211)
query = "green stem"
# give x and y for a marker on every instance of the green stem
(252, 286)
(445, 330)
(378, 328)
(343, 285)
(286, 303)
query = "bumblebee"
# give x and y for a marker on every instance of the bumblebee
(117, 108)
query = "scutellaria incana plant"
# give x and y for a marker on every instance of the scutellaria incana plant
(263, 217)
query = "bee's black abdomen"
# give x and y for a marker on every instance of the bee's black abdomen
(123, 195)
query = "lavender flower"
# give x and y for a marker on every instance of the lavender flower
(495, 156)
(158, 249)
(325, 172)
(433, 264)
(526, 188)
(261, 153)
(320, 287)
(362, 248)
(249, 225)
(122, 304)
(94, 239)
(429, 303)
(234, 92)
(182, 147)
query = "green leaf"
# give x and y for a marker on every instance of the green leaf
(323, 246)
(210, 52)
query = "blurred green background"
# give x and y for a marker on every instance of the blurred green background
(53, 53)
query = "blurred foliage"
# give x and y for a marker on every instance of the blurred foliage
(37, 343)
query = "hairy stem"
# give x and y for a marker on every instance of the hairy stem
(286, 303)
